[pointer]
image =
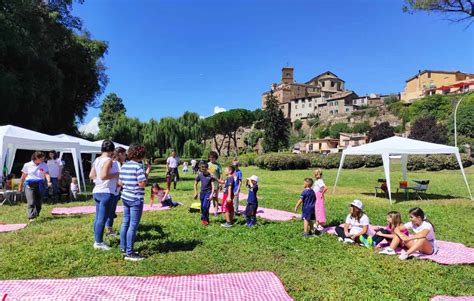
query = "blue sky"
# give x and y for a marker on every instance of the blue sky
(166, 57)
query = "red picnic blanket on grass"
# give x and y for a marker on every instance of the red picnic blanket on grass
(91, 209)
(229, 286)
(448, 252)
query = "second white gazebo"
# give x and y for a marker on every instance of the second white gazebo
(398, 146)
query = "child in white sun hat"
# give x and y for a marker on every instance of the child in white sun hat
(356, 226)
(252, 201)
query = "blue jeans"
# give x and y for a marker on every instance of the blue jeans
(109, 223)
(132, 213)
(103, 206)
(205, 204)
(54, 186)
(169, 203)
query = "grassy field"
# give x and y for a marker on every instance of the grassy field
(174, 242)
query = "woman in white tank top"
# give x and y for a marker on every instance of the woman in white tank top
(105, 176)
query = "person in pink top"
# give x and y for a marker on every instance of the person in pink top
(319, 189)
(394, 220)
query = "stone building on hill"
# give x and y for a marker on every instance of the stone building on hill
(323, 95)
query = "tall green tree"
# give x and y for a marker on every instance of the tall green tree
(50, 70)
(111, 110)
(127, 130)
(427, 129)
(381, 131)
(276, 126)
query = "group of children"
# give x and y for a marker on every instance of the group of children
(210, 178)
(356, 228)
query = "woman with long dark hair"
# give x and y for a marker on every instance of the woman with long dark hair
(105, 175)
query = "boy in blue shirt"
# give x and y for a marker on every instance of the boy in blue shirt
(207, 190)
(252, 201)
(238, 184)
(308, 199)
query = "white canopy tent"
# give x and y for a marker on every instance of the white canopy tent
(99, 144)
(402, 147)
(85, 147)
(13, 138)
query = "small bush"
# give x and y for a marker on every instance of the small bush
(331, 161)
(416, 162)
(452, 163)
(277, 161)
(352, 162)
(373, 161)
(435, 162)
(248, 159)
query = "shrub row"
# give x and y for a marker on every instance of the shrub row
(276, 161)
(437, 162)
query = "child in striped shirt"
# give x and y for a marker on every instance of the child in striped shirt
(133, 181)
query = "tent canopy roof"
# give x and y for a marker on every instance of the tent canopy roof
(31, 140)
(85, 145)
(99, 143)
(400, 146)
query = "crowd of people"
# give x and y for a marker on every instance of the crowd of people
(121, 174)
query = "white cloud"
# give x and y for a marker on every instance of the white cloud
(218, 109)
(90, 127)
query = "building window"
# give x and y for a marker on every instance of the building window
(296, 106)
(332, 84)
(347, 109)
(309, 105)
(330, 112)
(302, 106)
(429, 74)
(336, 111)
(288, 74)
(310, 146)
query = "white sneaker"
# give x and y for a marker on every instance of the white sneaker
(320, 228)
(102, 246)
(388, 251)
(348, 241)
(340, 239)
(404, 255)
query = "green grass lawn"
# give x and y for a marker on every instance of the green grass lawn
(174, 242)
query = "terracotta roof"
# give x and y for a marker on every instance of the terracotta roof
(437, 71)
(322, 74)
(341, 95)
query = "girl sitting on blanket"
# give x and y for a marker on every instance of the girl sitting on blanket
(356, 226)
(162, 195)
(424, 238)
(394, 220)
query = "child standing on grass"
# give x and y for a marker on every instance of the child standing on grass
(252, 201)
(74, 190)
(356, 226)
(207, 190)
(319, 189)
(237, 186)
(185, 167)
(216, 171)
(308, 199)
(163, 195)
(227, 199)
(133, 180)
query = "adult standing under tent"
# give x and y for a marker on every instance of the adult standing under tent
(55, 168)
(398, 146)
(33, 178)
(172, 173)
(13, 138)
(105, 175)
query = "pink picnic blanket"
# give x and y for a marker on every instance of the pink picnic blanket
(91, 209)
(242, 196)
(232, 286)
(270, 214)
(451, 298)
(11, 227)
(448, 252)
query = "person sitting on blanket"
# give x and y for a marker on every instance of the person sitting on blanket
(423, 241)
(163, 195)
(356, 226)
(394, 219)
(308, 199)
(252, 201)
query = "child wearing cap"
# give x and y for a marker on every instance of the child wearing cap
(252, 201)
(357, 224)
(308, 199)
